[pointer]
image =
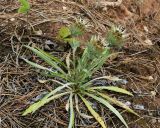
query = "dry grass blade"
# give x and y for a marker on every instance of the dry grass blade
(116, 102)
(108, 105)
(94, 113)
(71, 121)
(77, 108)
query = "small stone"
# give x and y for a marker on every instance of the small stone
(139, 107)
(150, 78)
(123, 81)
(145, 28)
(39, 32)
(12, 19)
(105, 9)
(148, 42)
(150, 114)
(154, 121)
(128, 103)
(64, 8)
(153, 93)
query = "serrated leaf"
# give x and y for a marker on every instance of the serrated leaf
(108, 105)
(71, 121)
(64, 32)
(94, 113)
(112, 88)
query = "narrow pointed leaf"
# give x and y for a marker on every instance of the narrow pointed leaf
(116, 102)
(35, 65)
(94, 113)
(42, 102)
(71, 121)
(54, 74)
(55, 91)
(44, 68)
(77, 108)
(112, 88)
(108, 105)
(52, 57)
(46, 59)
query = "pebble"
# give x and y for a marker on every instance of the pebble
(154, 121)
(128, 103)
(12, 19)
(139, 107)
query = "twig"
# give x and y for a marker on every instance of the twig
(106, 3)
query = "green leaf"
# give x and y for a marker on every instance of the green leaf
(73, 42)
(46, 59)
(111, 39)
(45, 100)
(116, 102)
(25, 6)
(111, 88)
(56, 90)
(108, 105)
(76, 30)
(35, 65)
(77, 108)
(71, 122)
(95, 114)
(52, 74)
(64, 32)
(42, 102)
(55, 74)
(52, 57)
